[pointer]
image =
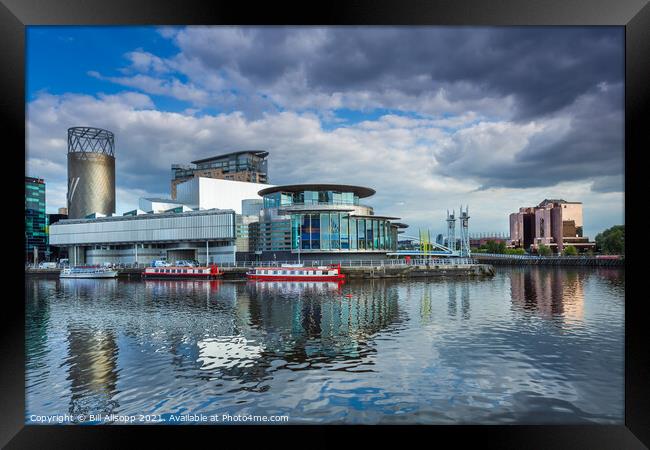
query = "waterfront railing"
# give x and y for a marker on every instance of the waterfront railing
(358, 263)
(312, 263)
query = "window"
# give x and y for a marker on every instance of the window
(325, 231)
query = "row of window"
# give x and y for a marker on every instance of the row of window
(278, 199)
(293, 272)
(334, 231)
(197, 271)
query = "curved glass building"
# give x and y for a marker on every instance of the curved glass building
(322, 218)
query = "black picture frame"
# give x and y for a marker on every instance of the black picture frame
(15, 15)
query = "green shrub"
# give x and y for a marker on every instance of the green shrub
(570, 250)
(544, 250)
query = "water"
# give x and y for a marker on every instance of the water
(531, 345)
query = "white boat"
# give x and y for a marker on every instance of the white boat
(88, 272)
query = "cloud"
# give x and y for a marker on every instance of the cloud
(538, 70)
(495, 117)
(583, 141)
(395, 155)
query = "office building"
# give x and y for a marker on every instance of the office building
(35, 219)
(246, 166)
(554, 223)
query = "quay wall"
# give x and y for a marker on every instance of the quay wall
(398, 271)
(515, 260)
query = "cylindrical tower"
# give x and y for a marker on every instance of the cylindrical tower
(91, 172)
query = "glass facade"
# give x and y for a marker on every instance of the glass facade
(325, 231)
(334, 231)
(35, 218)
(278, 199)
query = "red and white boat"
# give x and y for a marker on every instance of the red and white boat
(201, 272)
(297, 272)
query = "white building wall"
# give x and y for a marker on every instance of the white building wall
(156, 206)
(149, 228)
(208, 193)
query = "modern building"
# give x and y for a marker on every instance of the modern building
(208, 193)
(555, 223)
(91, 172)
(206, 236)
(320, 222)
(157, 205)
(245, 166)
(55, 253)
(35, 219)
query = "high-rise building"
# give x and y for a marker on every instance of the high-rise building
(35, 219)
(247, 165)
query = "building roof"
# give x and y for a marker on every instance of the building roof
(546, 201)
(372, 216)
(361, 191)
(260, 153)
(162, 200)
(146, 216)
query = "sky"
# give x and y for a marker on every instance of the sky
(432, 118)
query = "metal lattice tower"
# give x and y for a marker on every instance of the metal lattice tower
(91, 172)
(451, 230)
(464, 232)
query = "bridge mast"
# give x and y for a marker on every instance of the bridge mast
(464, 232)
(451, 230)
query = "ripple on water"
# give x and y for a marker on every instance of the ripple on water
(535, 345)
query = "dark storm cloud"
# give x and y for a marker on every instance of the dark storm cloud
(545, 69)
(582, 141)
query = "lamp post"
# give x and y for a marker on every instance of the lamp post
(299, 243)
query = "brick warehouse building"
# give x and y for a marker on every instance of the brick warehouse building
(554, 223)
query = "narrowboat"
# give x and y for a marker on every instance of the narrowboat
(198, 272)
(297, 272)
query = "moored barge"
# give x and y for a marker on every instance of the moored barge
(201, 272)
(297, 272)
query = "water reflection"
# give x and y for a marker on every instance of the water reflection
(303, 326)
(431, 351)
(549, 292)
(452, 306)
(92, 371)
(88, 287)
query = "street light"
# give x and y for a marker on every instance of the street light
(299, 243)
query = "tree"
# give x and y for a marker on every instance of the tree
(570, 250)
(515, 251)
(493, 246)
(612, 240)
(543, 250)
